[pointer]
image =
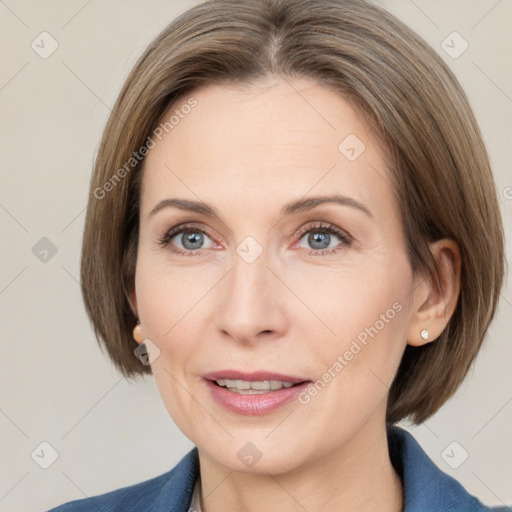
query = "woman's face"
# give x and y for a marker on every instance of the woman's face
(319, 292)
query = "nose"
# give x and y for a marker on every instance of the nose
(249, 303)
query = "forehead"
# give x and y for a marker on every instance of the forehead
(285, 137)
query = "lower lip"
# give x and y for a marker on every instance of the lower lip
(254, 405)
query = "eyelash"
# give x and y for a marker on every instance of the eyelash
(346, 239)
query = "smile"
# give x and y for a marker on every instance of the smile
(254, 393)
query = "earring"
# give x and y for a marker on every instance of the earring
(424, 334)
(137, 333)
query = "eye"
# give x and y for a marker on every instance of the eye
(320, 237)
(189, 240)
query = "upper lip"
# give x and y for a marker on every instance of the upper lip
(255, 376)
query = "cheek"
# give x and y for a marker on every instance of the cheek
(173, 307)
(357, 298)
(354, 325)
(169, 295)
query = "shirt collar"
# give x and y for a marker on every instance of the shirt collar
(425, 486)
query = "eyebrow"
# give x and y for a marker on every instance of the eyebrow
(298, 206)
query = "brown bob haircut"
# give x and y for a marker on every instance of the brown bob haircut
(439, 164)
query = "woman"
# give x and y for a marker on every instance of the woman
(293, 226)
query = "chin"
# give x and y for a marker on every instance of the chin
(258, 457)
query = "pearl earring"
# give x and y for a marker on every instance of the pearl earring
(137, 333)
(424, 334)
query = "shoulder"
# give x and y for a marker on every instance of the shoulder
(426, 487)
(169, 491)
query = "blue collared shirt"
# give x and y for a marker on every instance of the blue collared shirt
(426, 487)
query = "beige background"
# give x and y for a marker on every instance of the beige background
(57, 386)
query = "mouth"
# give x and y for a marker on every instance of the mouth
(253, 393)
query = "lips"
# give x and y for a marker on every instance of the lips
(259, 403)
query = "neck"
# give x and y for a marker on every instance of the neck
(357, 476)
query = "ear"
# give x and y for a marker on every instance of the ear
(436, 298)
(133, 302)
(138, 335)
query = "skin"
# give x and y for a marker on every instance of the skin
(295, 308)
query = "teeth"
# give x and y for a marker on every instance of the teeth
(253, 387)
